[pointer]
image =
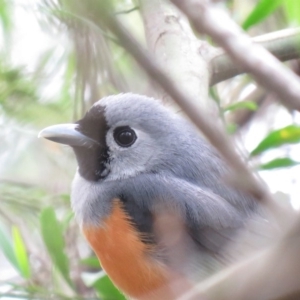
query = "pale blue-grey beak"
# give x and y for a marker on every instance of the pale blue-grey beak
(67, 134)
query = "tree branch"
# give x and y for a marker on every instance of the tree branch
(250, 57)
(271, 274)
(172, 41)
(283, 44)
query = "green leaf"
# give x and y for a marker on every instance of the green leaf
(66, 220)
(20, 253)
(5, 16)
(52, 234)
(91, 262)
(291, 9)
(103, 285)
(214, 95)
(7, 249)
(231, 128)
(286, 135)
(261, 11)
(241, 105)
(276, 163)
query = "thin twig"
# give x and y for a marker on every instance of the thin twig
(283, 44)
(252, 58)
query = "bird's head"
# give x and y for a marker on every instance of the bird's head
(122, 136)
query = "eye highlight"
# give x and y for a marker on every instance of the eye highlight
(124, 136)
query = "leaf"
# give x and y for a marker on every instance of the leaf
(91, 262)
(5, 16)
(42, 62)
(8, 250)
(20, 253)
(261, 11)
(291, 9)
(241, 105)
(52, 234)
(287, 135)
(279, 163)
(214, 95)
(103, 285)
(231, 128)
(66, 220)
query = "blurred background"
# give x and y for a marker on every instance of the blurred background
(56, 60)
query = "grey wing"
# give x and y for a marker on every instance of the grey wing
(221, 233)
(214, 229)
(209, 220)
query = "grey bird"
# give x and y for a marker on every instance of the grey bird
(149, 195)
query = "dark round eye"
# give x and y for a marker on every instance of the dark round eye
(124, 136)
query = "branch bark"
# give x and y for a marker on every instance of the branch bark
(283, 44)
(271, 274)
(171, 40)
(253, 58)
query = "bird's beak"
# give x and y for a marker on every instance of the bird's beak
(67, 134)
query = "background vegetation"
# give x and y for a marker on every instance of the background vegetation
(71, 59)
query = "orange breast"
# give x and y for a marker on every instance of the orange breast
(124, 257)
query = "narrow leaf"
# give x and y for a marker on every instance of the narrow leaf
(231, 128)
(261, 11)
(241, 105)
(20, 253)
(291, 9)
(277, 163)
(103, 285)
(8, 250)
(91, 262)
(286, 135)
(6, 16)
(107, 290)
(66, 221)
(53, 238)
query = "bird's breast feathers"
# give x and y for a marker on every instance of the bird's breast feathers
(127, 260)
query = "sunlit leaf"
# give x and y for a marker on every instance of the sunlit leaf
(277, 163)
(20, 253)
(286, 135)
(291, 9)
(7, 249)
(261, 11)
(241, 105)
(54, 241)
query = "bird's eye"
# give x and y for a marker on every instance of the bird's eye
(124, 136)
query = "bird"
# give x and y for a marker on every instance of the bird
(149, 195)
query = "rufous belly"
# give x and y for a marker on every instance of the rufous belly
(125, 258)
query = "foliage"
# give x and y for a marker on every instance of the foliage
(260, 11)
(287, 135)
(38, 235)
